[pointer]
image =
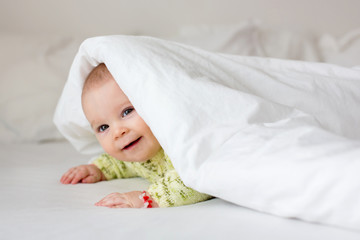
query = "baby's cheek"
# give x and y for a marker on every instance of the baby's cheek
(114, 153)
(107, 146)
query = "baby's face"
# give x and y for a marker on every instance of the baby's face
(120, 130)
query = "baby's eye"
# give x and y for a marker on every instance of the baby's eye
(103, 127)
(127, 111)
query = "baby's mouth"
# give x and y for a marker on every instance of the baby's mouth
(132, 144)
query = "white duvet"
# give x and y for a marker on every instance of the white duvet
(277, 136)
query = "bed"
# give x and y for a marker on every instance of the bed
(34, 205)
(34, 155)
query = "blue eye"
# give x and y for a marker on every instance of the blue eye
(127, 112)
(103, 127)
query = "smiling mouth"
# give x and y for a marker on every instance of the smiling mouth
(132, 144)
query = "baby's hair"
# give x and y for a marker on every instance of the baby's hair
(97, 76)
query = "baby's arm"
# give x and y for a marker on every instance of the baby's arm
(103, 168)
(170, 191)
(113, 168)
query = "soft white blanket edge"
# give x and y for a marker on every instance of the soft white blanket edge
(273, 135)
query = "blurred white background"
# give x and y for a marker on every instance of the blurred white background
(164, 17)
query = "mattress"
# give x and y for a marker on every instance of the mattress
(35, 205)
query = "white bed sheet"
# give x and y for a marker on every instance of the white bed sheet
(34, 205)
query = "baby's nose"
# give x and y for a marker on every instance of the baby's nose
(120, 131)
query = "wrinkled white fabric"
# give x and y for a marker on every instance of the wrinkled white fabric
(278, 136)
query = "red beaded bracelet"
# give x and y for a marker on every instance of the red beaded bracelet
(146, 199)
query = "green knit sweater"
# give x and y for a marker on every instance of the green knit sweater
(166, 187)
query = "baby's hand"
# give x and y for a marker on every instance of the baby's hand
(124, 200)
(83, 174)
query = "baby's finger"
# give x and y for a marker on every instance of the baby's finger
(66, 176)
(78, 176)
(90, 179)
(63, 177)
(111, 200)
(123, 205)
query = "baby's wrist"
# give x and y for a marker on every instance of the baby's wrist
(142, 200)
(102, 175)
(103, 178)
(148, 201)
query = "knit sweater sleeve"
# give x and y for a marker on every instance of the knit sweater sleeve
(113, 168)
(170, 191)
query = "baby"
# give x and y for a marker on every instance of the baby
(131, 150)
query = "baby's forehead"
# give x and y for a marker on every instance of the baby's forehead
(98, 103)
(106, 86)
